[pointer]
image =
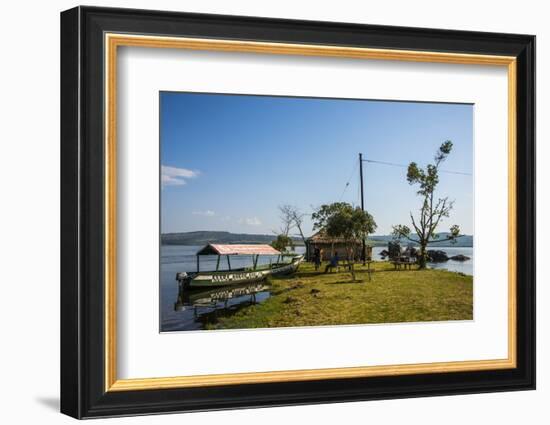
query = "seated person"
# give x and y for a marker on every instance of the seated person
(333, 262)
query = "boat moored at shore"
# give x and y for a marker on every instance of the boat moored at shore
(255, 273)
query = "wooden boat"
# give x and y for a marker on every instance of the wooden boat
(256, 273)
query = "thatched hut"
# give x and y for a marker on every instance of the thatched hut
(330, 245)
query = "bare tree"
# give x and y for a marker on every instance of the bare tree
(291, 217)
(432, 211)
(298, 219)
(287, 219)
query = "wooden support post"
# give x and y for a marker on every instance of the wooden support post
(218, 264)
(363, 254)
(228, 263)
(198, 263)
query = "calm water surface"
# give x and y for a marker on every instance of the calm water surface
(178, 315)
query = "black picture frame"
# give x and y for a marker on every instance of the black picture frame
(83, 392)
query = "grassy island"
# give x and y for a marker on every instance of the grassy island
(311, 298)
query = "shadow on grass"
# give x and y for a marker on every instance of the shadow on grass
(358, 280)
(297, 275)
(392, 271)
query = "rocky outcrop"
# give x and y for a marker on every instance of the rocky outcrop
(460, 257)
(411, 251)
(437, 256)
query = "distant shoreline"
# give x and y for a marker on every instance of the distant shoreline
(204, 237)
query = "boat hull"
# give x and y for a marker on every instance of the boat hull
(238, 277)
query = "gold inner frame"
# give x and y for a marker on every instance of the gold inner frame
(113, 41)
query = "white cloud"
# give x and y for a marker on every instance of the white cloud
(250, 221)
(207, 213)
(171, 181)
(174, 176)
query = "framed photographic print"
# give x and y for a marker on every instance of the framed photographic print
(261, 212)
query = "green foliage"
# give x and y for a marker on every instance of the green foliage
(400, 231)
(342, 220)
(444, 150)
(282, 242)
(350, 224)
(326, 211)
(429, 178)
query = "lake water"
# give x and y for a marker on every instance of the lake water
(175, 314)
(178, 315)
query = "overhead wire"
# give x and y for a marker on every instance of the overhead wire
(348, 181)
(393, 164)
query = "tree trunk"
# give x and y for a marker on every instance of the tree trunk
(423, 258)
(303, 239)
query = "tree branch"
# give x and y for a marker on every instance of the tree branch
(440, 211)
(446, 239)
(418, 232)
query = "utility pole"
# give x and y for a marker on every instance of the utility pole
(363, 252)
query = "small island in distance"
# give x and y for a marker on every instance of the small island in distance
(205, 237)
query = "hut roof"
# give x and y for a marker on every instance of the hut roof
(321, 238)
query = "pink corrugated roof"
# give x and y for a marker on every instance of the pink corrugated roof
(249, 249)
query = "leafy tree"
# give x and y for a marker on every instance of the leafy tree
(324, 212)
(431, 211)
(282, 242)
(342, 220)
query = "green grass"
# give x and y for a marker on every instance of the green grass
(310, 298)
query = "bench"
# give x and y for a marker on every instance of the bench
(402, 263)
(347, 266)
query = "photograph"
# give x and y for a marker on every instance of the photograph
(280, 211)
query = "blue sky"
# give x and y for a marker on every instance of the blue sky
(228, 161)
